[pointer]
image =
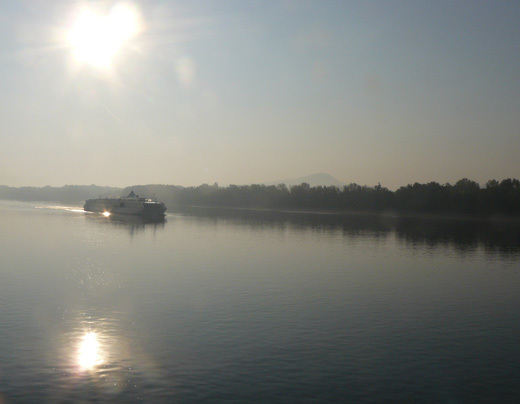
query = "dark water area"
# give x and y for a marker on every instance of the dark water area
(500, 234)
(254, 306)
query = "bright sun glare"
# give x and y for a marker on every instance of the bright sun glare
(96, 38)
(89, 355)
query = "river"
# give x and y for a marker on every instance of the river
(230, 306)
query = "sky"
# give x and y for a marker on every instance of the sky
(241, 92)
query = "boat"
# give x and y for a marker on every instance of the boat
(131, 204)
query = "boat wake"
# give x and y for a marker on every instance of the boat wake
(60, 207)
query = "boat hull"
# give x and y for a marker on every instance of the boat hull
(126, 206)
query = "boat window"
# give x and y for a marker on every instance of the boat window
(122, 204)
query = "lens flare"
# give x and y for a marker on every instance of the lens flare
(106, 214)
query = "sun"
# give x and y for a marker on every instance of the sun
(96, 38)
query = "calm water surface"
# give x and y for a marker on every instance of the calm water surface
(235, 306)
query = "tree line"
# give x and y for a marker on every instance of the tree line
(465, 197)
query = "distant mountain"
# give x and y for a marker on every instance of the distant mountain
(314, 180)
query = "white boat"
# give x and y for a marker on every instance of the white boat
(126, 205)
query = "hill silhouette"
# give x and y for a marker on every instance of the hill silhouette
(65, 194)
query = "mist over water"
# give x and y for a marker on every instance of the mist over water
(243, 306)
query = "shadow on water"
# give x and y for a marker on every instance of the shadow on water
(496, 237)
(132, 223)
(501, 237)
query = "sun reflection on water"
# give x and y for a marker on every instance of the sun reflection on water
(89, 355)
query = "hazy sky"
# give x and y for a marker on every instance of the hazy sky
(255, 91)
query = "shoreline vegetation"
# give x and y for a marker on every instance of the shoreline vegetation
(465, 198)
